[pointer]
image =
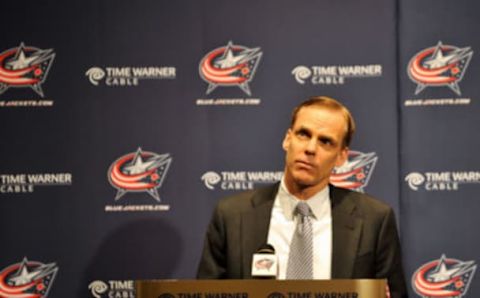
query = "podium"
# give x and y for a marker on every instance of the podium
(262, 288)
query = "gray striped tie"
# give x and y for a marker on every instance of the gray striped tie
(300, 258)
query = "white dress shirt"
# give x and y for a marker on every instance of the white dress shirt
(282, 227)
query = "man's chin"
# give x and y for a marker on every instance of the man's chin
(305, 182)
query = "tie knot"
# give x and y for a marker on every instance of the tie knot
(303, 209)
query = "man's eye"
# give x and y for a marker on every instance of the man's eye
(326, 141)
(302, 134)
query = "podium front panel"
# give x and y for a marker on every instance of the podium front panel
(342, 288)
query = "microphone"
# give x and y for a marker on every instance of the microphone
(264, 263)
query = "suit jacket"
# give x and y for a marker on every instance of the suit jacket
(365, 239)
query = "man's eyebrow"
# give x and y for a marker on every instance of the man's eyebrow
(303, 127)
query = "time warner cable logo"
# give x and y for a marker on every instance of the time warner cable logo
(334, 74)
(441, 181)
(114, 76)
(112, 288)
(239, 180)
(26, 183)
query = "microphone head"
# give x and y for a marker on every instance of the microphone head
(266, 249)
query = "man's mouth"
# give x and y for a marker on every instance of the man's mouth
(304, 164)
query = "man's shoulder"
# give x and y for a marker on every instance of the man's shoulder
(247, 199)
(363, 202)
(237, 199)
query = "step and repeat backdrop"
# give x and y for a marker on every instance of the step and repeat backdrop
(123, 123)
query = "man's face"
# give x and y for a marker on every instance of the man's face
(314, 146)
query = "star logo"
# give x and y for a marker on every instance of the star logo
(438, 66)
(27, 279)
(139, 171)
(25, 66)
(231, 65)
(355, 172)
(443, 278)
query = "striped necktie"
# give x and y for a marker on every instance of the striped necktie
(300, 258)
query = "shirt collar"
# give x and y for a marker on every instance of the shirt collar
(318, 202)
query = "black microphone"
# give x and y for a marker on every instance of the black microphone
(265, 263)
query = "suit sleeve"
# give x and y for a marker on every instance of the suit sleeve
(213, 259)
(388, 262)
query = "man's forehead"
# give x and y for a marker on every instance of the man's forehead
(320, 114)
(330, 122)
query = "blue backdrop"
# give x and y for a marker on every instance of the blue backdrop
(123, 123)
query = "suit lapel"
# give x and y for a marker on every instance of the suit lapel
(255, 224)
(346, 230)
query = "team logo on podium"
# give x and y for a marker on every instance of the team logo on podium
(355, 172)
(444, 277)
(439, 66)
(25, 66)
(231, 65)
(27, 279)
(139, 171)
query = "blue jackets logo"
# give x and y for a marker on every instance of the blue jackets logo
(27, 279)
(443, 277)
(355, 172)
(139, 171)
(25, 67)
(231, 65)
(439, 66)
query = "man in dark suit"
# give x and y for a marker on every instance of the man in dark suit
(355, 236)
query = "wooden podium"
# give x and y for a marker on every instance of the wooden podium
(258, 288)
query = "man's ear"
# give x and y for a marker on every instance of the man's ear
(287, 139)
(342, 157)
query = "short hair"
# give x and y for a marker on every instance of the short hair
(331, 104)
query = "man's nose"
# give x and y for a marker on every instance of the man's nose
(311, 146)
